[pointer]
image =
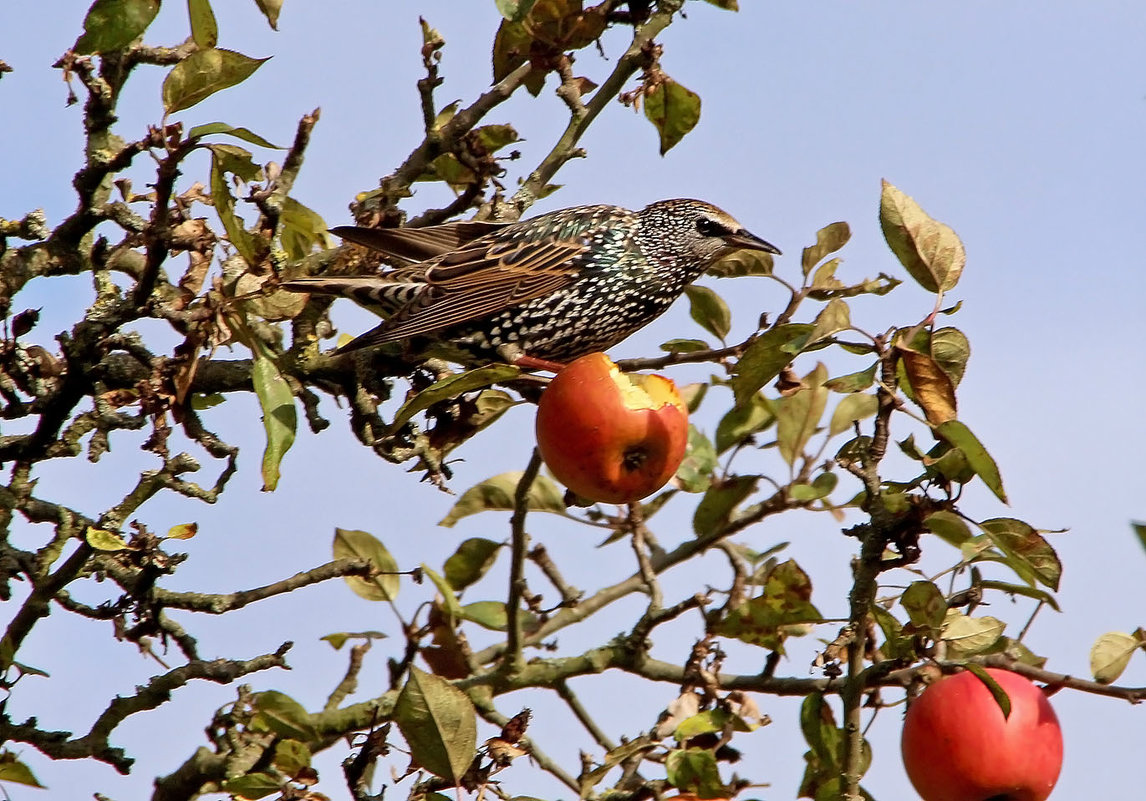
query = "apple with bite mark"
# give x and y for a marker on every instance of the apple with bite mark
(609, 436)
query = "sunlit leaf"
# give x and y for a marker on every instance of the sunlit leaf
(685, 345)
(948, 526)
(280, 418)
(514, 10)
(351, 544)
(204, 28)
(488, 614)
(452, 386)
(829, 239)
(929, 250)
(202, 74)
(497, 494)
(281, 714)
(271, 10)
(14, 771)
(931, 387)
(798, 415)
(111, 25)
(103, 540)
(1111, 654)
(857, 406)
(183, 531)
(970, 636)
(821, 487)
(439, 724)
(291, 756)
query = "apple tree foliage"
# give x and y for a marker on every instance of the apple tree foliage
(202, 255)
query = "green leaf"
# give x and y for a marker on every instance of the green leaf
(339, 638)
(223, 160)
(821, 487)
(279, 713)
(829, 239)
(246, 134)
(1140, 532)
(112, 25)
(709, 311)
(204, 28)
(818, 724)
(302, 230)
(473, 558)
(488, 614)
(997, 692)
(742, 421)
(780, 611)
(202, 74)
(924, 604)
(280, 419)
(684, 345)
(673, 110)
(493, 138)
(853, 382)
(1021, 589)
(453, 386)
(980, 461)
(929, 250)
(15, 771)
(271, 10)
(352, 544)
(854, 407)
(895, 645)
(834, 317)
(695, 471)
(765, 358)
(496, 494)
(103, 540)
(970, 636)
(450, 605)
(798, 415)
(1022, 543)
(1111, 654)
(693, 770)
(514, 10)
(948, 526)
(439, 724)
(727, 5)
(709, 722)
(291, 756)
(951, 350)
(719, 501)
(253, 786)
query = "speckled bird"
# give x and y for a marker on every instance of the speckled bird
(547, 289)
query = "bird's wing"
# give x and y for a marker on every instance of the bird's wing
(417, 244)
(483, 280)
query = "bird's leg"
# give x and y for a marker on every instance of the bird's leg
(515, 355)
(530, 363)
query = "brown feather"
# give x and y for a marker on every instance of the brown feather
(417, 244)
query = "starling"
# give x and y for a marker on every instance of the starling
(543, 290)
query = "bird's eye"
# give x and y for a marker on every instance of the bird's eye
(706, 226)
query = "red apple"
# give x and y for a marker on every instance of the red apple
(610, 436)
(957, 746)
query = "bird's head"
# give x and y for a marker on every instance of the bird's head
(696, 230)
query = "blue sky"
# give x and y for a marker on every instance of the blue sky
(1020, 126)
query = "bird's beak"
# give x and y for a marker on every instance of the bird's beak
(743, 240)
